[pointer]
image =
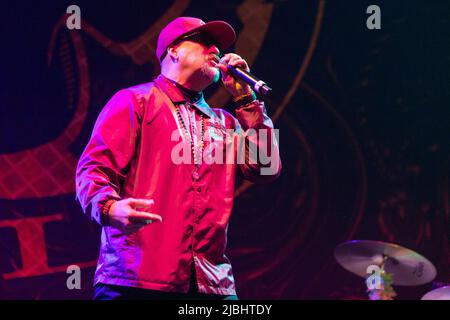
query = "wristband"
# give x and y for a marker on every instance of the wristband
(105, 212)
(244, 99)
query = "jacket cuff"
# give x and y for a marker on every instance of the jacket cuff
(251, 115)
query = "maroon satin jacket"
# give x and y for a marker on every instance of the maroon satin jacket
(133, 152)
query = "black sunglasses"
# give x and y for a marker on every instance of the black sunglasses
(198, 37)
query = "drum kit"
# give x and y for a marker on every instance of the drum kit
(385, 264)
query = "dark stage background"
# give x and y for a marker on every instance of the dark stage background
(364, 134)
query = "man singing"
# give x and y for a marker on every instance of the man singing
(164, 213)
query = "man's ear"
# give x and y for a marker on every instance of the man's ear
(172, 53)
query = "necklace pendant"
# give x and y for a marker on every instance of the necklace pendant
(195, 175)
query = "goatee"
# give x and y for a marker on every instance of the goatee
(210, 73)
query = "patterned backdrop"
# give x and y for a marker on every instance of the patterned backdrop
(364, 135)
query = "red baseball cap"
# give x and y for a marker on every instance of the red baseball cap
(219, 31)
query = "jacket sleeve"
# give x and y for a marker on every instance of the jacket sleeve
(258, 142)
(103, 165)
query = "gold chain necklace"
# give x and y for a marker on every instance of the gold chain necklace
(188, 136)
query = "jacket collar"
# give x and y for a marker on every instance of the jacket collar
(178, 96)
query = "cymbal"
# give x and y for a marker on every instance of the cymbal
(442, 293)
(407, 267)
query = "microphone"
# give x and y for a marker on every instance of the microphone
(258, 85)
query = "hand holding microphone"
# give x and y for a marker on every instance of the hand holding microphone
(237, 78)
